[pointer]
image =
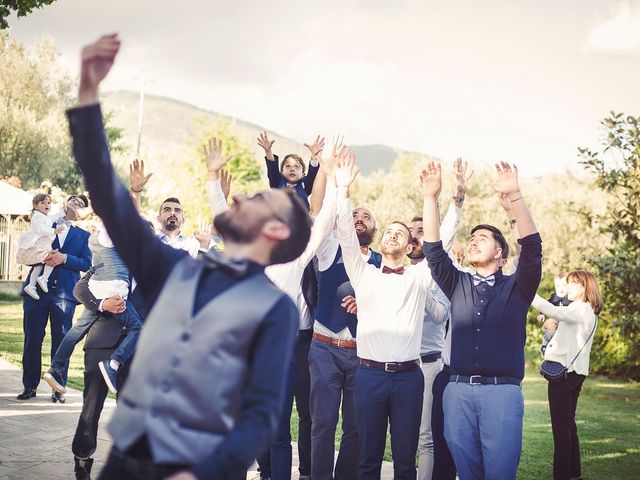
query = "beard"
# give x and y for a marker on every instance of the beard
(171, 224)
(365, 237)
(235, 231)
(417, 253)
(396, 251)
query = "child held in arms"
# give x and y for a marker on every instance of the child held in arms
(292, 169)
(35, 243)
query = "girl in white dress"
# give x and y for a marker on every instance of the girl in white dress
(35, 243)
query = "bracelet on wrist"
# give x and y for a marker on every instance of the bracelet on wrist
(458, 198)
(516, 199)
(137, 191)
(512, 221)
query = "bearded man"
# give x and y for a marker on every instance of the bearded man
(206, 385)
(391, 307)
(332, 356)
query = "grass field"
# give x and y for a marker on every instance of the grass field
(608, 413)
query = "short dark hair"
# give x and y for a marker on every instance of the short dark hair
(497, 236)
(299, 223)
(170, 199)
(84, 199)
(296, 158)
(416, 219)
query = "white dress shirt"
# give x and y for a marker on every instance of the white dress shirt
(188, 244)
(390, 307)
(288, 276)
(576, 321)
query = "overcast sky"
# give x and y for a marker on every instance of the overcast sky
(522, 81)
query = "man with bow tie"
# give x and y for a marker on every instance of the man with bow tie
(70, 255)
(205, 387)
(483, 404)
(391, 305)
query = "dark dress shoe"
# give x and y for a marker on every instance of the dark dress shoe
(27, 394)
(83, 468)
(58, 397)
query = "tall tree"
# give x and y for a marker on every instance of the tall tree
(21, 7)
(616, 166)
(34, 138)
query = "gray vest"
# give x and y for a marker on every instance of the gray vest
(109, 264)
(189, 372)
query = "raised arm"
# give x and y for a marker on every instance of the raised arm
(325, 219)
(138, 180)
(215, 163)
(273, 173)
(149, 260)
(313, 173)
(440, 264)
(529, 270)
(573, 313)
(346, 172)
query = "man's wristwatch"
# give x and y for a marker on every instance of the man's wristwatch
(458, 198)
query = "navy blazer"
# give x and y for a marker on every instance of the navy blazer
(65, 276)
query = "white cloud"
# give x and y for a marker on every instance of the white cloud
(618, 34)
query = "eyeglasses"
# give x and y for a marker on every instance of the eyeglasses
(266, 199)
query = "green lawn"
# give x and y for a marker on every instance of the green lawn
(608, 413)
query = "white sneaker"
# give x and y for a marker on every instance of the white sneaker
(42, 283)
(31, 291)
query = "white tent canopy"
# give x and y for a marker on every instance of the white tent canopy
(14, 201)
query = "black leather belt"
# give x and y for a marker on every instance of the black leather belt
(430, 357)
(482, 380)
(392, 367)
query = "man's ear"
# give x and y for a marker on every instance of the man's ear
(158, 219)
(276, 230)
(409, 248)
(498, 254)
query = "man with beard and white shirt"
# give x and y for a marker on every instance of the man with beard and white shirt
(332, 356)
(391, 304)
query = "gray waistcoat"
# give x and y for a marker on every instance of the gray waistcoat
(112, 267)
(189, 372)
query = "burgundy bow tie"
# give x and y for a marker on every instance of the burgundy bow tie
(398, 271)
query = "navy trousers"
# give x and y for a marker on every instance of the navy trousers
(297, 386)
(332, 371)
(443, 466)
(37, 313)
(393, 398)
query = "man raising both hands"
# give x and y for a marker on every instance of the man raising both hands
(483, 404)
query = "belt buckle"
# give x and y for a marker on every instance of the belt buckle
(471, 382)
(394, 366)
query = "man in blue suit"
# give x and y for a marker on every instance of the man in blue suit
(70, 255)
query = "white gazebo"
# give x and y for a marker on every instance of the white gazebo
(15, 207)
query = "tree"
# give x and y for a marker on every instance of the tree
(617, 169)
(21, 7)
(245, 169)
(34, 94)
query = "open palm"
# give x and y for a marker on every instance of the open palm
(213, 155)
(507, 181)
(431, 178)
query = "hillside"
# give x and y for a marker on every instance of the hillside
(170, 128)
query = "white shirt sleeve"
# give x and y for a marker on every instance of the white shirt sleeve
(321, 227)
(217, 202)
(575, 312)
(449, 226)
(437, 307)
(354, 263)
